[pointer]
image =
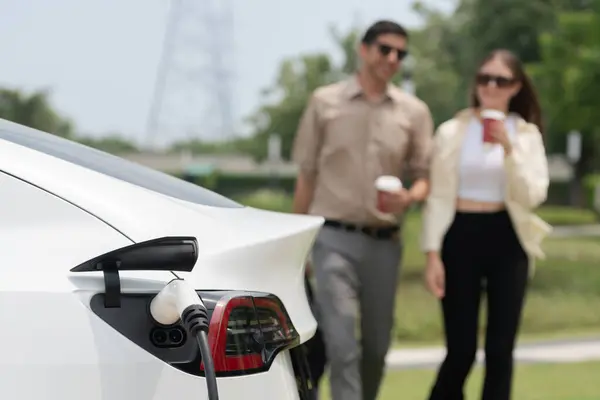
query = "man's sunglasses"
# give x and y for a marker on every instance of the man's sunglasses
(385, 50)
(501, 81)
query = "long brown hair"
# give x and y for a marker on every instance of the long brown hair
(525, 102)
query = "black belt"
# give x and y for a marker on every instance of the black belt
(388, 232)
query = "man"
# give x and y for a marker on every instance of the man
(352, 132)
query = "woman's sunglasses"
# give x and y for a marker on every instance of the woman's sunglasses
(500, 81)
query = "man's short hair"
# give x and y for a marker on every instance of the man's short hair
(383, 27)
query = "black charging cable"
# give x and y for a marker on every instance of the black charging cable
(195, 321)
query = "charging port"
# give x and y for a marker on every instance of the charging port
(168, 337)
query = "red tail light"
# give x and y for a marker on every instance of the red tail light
(246, 333)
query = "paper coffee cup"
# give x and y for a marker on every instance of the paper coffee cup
(386, 184)
(489, 117)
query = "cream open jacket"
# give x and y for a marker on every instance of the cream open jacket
(527, 185)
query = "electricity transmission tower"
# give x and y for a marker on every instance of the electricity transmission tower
(193, 92)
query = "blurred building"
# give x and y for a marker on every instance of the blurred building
(183, 163)
(560, 169)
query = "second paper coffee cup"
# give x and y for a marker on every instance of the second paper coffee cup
(386, 184)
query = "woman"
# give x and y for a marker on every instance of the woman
(480, 232)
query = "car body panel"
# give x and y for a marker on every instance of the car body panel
(57, 215)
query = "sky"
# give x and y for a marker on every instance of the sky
(99, 58)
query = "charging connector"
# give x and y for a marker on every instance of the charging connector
(179, 301)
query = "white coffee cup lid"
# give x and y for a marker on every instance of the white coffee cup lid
(493, 114)
(388, 183)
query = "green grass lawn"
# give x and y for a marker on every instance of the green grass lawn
(567, 216)
(532, 382)
(564, 297)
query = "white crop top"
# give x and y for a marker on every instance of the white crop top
(481, 169)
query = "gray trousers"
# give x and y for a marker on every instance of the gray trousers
(356, 280)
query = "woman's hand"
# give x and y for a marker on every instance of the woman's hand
(435, 276)
(500, 136)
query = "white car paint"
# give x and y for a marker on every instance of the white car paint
(55, 215)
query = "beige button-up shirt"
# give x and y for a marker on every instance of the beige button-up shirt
(344, 142)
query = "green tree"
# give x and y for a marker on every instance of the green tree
(448, 48)
(296, 80)
(568, 78)
(511, 24)
(234, 146)
(516, 25)
(33, 110)
(112, 143)
(439, 60)
(36, 111)
(348, 44)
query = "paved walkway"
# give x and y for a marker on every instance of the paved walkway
(576, 230)
(565, 351)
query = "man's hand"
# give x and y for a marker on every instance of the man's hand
(308, 269)
(303, 194)
(396, 203)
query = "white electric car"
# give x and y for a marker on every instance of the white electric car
(87, 240)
